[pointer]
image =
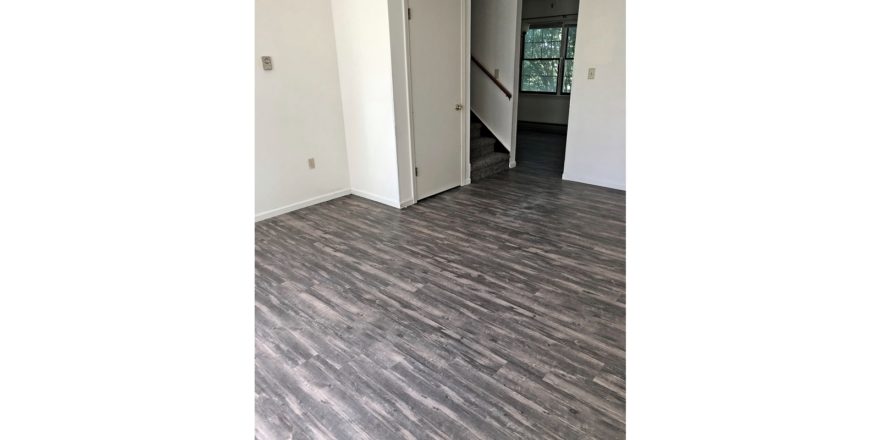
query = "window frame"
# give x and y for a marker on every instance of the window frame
(522, 57)
(560, 61)
(565, 57)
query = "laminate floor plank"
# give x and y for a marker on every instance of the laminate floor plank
(496, 310)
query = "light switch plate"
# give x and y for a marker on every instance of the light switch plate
(591, 73)
(267, 63)
(311, 163)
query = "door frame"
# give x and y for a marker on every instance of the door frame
(517, 70)
(464, 157)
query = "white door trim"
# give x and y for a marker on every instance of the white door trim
(517, 53)
(466, 93)
(409, 106)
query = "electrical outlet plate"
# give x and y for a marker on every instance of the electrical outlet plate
(591, 73)
(267, 63)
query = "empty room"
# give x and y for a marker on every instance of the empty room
(419, 272)
(439, 220)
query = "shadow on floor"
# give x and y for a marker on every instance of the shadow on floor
(540, 152)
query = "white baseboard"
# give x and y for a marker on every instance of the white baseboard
(512, 164)
(593, 181)
(302, 204)
(406, 203)
(375, 198)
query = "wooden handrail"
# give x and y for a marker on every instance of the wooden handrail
(492, 77)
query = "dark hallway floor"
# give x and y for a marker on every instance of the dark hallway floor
(492, 311)
(540, 151)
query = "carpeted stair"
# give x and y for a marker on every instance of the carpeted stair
(486, 159)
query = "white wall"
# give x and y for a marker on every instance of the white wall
(543, 8)
(547, 109)
(363, 49)
(494, 35)
(298, 111)
(595, 151)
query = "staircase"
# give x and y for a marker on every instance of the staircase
(486, 158)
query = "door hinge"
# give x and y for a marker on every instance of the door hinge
(417, 171)
(409, 13)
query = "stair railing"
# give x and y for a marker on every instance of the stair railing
(492, 77)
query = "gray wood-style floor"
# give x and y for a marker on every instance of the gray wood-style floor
(492, 311)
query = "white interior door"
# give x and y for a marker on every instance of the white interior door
(437, 87)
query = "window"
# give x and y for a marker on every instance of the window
(547, 59)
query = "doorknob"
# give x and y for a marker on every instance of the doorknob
(458, 107)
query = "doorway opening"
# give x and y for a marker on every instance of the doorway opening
(548, 44)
